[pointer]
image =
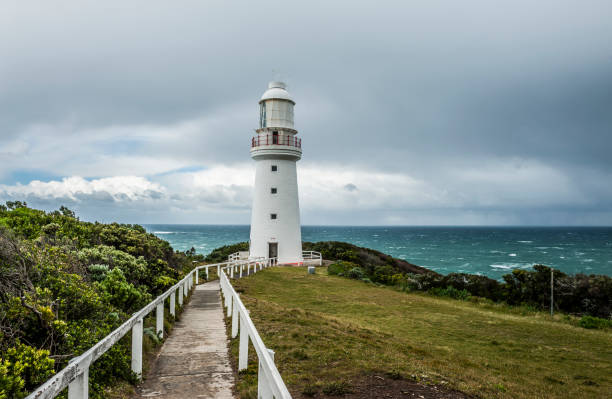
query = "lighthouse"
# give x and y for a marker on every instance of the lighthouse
(275, 218)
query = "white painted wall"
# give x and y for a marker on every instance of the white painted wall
(285, 230)
(276, 112)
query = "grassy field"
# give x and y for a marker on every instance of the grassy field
(333, 332)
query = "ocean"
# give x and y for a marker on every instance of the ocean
(489, 251)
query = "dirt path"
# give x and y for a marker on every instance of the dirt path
(194, 360)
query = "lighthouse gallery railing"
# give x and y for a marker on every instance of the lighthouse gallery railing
(272, 139)
(75, 376)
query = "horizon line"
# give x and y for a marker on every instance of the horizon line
(385, 225)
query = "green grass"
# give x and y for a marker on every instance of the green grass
(330, 331)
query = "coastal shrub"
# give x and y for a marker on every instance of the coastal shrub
(340, 268)
(451, 292)
(475, 284)
(355, 273)
(66, 284)
(365, 258)
(122, 294)
(133, 268)
(594, 322)
(580, 294)
(220, 254)
(98, 272)
(23, 368)
(383, 274)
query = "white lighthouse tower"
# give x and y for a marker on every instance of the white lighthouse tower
(275, 218)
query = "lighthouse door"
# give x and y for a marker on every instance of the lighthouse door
(272, 249)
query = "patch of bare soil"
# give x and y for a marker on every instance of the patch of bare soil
(375, 386)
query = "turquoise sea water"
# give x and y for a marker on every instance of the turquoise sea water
(490, 251)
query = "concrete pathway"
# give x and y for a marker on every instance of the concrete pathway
(194, 359)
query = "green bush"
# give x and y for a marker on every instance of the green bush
(98, 272)
(451, 292)
(579, 294)
(22, 369)
(355, 273)
(594, 322)
(123, 295)
(340, 268)
(384, 274)
(220, 254)
(66, 284)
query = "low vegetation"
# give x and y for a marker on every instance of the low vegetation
(332, 334)
(220, 254)
(65, 284)
(578, 294)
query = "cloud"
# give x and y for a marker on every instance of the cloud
(409, 112)
(502, 191)
(76, 189)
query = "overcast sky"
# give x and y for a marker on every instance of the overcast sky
(410, 112)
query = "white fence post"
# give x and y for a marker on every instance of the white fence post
(159, 319)
(137, 348)
(179, 292)
(243, 351)
(173, 304)
(263, 385)
(229, 305)
(235, 319)
(207, 273)
(197, 280)
(79, 388)
(225, 296)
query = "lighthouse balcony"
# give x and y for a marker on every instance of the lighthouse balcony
(276, 140)
(272, 144)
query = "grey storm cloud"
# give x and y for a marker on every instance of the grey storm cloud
(441, 91)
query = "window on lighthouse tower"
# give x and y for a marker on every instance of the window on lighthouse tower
(262, 115)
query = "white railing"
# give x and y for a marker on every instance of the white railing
(241, 255)
(308, 258)
(312, 257)
(269, 381)
(75, 376)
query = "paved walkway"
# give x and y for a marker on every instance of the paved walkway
(194, 360)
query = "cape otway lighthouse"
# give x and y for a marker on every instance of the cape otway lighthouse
(275, 218)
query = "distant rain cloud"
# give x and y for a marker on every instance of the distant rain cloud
(416, 112)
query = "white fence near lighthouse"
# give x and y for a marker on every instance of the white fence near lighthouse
(75, 376)
(269, 381)
(312, 258)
